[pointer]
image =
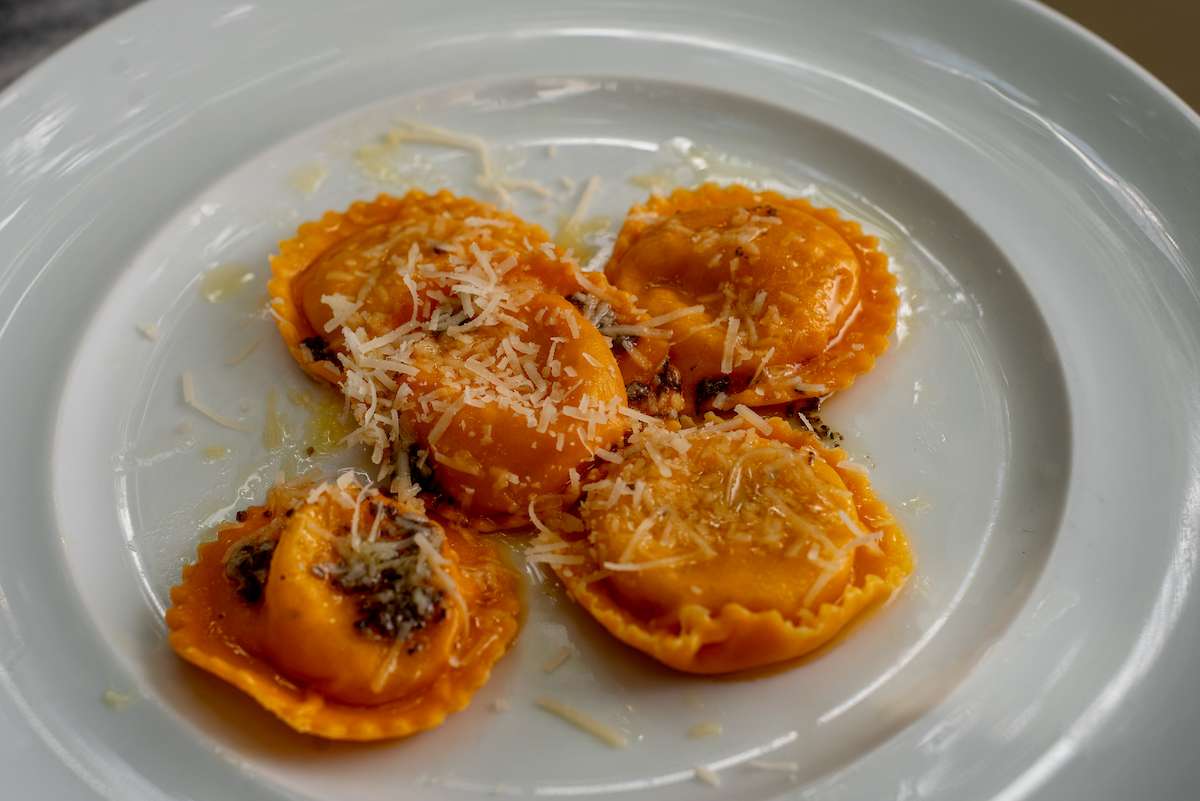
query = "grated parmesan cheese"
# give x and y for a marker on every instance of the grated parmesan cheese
(116, 700)
(756, 306)
(731, 336)
(189, 397)
(672, 316)
(447, 418)
(705, 729)
(214, 453)
(636, 567)
(641, 417)
(762, 365)
(605, 733)
(488, 177)
(557, 660)
(812, 389)
(753, 418)
(571, 224)
(640, 534)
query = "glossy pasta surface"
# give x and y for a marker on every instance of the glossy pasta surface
(730, 549)
(321, 612)
(767, 299)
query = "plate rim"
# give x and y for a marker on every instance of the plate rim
(31, 79)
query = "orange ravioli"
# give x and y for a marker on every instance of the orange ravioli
(505, 414)
(466, 345)
(716, 549)
(348, 614)
(652, 382)
(767, 299)
(364, 268)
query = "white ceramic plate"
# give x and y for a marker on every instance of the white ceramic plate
(1035, 426)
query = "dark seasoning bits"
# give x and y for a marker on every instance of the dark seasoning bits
(247, 563)
(389, 577)
(624, 342)
(811, 409)
(669, 379)
(601, 315)
(709, 388)
(421, 471)
(318, 348)
(661, 396)
(637, 391)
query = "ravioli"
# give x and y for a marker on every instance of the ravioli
(504, 414)
(767, 299)
(652, 382)
(719, 548)
(474, 355)
(348, 614)
(383, 263)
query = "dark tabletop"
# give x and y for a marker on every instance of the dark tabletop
(30, 30)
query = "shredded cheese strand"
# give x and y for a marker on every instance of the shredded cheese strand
(602, 732)
(189, 397)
